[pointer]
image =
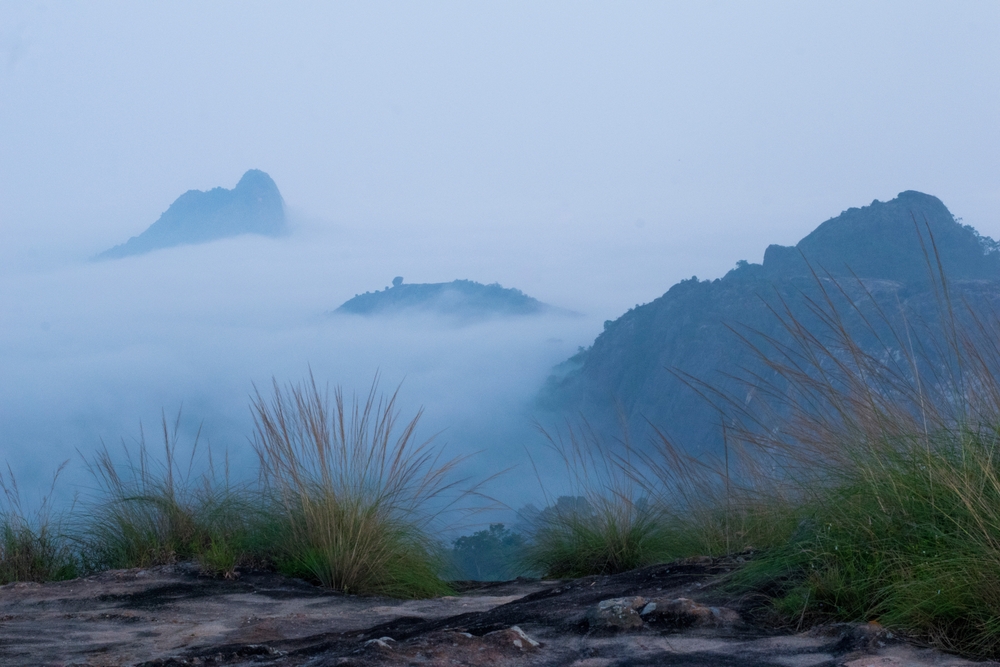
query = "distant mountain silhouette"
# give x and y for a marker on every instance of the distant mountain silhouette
(254, 206)
(462, 299)
(631, 369)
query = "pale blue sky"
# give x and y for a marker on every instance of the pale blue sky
(722, 126)
(591, 154)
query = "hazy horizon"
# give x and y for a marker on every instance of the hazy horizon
(588, 154)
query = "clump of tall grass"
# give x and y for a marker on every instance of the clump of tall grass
(150, 512)
(356, 499)
(713, 505)
(607, 527)
(877, 437)
(32, 544)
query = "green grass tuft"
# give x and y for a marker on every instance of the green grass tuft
(355, 498)
(886, 456)
(345, 500)
(609, 527)
(149, 512)
(32, 546)
(615, 536)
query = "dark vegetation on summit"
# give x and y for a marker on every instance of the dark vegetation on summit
(463, 299)
(254, 206)
(645, 368)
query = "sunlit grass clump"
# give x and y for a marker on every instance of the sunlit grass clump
(903, 529)
(355, 499)
(910, 538)
(615, 536)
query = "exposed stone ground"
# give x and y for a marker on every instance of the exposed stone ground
(664, 615)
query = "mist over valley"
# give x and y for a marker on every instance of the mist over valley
(528, 333)
(93, 349)
(193, 329)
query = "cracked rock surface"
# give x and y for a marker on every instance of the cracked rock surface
(663, 615)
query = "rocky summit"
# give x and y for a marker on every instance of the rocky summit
(254, 206)
(646, 366)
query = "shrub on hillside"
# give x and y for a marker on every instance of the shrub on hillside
(493, 554)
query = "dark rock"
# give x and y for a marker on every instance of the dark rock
(254, 206)
(684, 613)
(616, 614)
(268, 620)
(858, 636)
(512, 636)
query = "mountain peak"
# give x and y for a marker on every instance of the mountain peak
(257, 179)
(881, 241)
(254, 206)
(639, 369)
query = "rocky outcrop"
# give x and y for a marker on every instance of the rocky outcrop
(254, 206)
(879, 242)
(685, 612)
(678, 614)
(616, 614)
(632, 613)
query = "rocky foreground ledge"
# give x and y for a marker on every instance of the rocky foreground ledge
(664, 615)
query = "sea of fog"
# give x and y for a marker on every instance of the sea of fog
(95, 353)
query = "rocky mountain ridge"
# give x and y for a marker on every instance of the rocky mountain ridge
(638, 370)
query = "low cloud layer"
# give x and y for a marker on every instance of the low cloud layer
(92, 349)
(591, 155)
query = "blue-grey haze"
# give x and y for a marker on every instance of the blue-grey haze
(254, 206)
(589, 154)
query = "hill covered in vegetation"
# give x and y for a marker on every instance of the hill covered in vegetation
(461, 299)
(254, 206)
(670, 362)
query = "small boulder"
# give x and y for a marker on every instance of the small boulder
(512, 636)
(381, 642)
(684, 613)
(858, 636)
(616, 614)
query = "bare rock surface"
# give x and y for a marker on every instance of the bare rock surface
(664, 615)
